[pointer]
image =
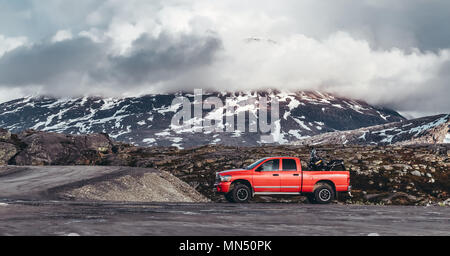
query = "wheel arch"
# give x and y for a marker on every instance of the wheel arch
(329, 182)
(242, 181)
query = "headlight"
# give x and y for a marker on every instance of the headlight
(225, 178)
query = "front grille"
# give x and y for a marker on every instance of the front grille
(217, 178)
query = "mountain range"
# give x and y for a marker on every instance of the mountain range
(146, 120)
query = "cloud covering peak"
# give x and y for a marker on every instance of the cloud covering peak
(391, 54)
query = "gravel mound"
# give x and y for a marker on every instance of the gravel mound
(148, 187)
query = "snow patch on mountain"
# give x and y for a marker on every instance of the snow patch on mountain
(447, 138)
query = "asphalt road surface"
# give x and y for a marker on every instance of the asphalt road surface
(95, 218)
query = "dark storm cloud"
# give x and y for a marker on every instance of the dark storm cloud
(385, 24)
(155, 59)
(42, 63)
(150, 60)
(430, 22)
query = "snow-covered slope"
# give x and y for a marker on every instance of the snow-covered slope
(146, 120)
(431, 129)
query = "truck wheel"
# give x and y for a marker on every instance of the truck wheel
(241, 193)
(323, 194)
(229, 197)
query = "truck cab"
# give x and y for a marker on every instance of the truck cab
(281, 176)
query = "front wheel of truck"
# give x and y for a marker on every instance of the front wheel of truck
(324, 193)
(241, 193)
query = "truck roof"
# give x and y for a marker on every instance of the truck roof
(282, 157)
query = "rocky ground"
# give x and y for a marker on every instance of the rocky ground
(403, 175)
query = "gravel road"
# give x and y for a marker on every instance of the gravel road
(35, 181)
(101, 218)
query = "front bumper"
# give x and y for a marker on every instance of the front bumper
(223, 187)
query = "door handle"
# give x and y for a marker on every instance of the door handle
(295, 174)
(276, 174)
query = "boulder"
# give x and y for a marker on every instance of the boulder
(60, 149)
(7, 151)
(4, 134)
(416, 173)
(99, 142)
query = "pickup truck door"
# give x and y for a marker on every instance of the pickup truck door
(290, 175)
(266, 177)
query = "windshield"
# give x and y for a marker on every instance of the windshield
(255, 164)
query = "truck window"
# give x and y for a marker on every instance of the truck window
(255, 164)
(271, 165)
(289, 165)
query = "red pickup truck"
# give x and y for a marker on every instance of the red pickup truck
(281, 175)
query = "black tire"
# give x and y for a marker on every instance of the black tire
(229, 197)
(324, 193)
(241, 193)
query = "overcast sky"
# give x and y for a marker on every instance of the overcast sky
(389, 53)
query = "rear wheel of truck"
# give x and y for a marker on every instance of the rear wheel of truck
(324, 193)
(241, 193)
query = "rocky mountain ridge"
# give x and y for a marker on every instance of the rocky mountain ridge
(425, 130)
(146, 120)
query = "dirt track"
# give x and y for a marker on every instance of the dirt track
(76, 218)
